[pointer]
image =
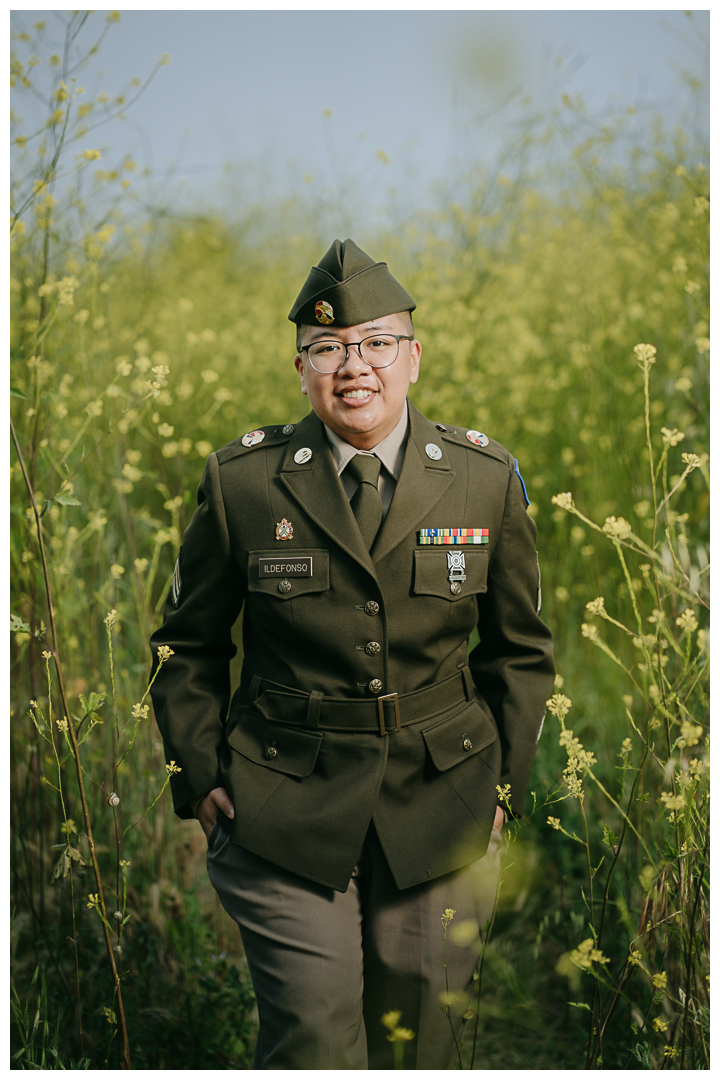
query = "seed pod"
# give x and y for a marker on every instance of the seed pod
(113, 799)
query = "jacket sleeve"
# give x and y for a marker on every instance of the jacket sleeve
(191, 691)
(512, 667)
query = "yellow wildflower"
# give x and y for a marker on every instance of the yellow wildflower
(586, 954)
(672, 436)
(559, 705)
(617, 527)
(645, 353)
(687, 621)
(564, 500)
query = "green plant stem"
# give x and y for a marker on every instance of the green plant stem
(125, 1061)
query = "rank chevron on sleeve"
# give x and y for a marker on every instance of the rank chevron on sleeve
(454, 536)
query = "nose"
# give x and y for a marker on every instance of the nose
(354, 363)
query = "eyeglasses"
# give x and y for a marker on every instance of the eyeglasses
(379, 351)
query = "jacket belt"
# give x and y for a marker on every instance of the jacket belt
(387, 713)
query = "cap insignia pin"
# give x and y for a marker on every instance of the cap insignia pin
(477, 437)
(253, 438)
(324, 312)
(284, 530)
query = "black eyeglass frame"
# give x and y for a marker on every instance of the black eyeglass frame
(398, 338)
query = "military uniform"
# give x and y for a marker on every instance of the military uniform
(359, 712)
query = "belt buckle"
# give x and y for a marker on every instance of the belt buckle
(381, 713)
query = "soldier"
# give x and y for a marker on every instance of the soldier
(349, 790)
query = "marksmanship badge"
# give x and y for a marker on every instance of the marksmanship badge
(456, 566)
(284, 530)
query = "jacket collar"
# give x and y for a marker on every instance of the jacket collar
(422, 483)
(316, 486)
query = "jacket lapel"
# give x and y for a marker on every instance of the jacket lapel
(316, 487)
(421, 485)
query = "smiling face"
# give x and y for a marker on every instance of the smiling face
(359, 403)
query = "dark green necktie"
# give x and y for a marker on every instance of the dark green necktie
(366, 503)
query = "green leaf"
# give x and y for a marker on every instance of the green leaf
(64, 498)
(90, 704)
(14, 392)
(580, 1005)
(17, 623)
(609, 836)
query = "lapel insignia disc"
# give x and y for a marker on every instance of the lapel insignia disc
(284, 530)
(253, 438)
(302, 455)
(288, 429)
(324, 312)
(433, 451)
(454, 536)
(477, 437)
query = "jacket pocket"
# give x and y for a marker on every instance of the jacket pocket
(432, 571)
(461, 737)
(291, 751)
(305, 571)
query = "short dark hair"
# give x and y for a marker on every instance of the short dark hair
(406, 315)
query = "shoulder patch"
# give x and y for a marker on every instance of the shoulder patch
(258, 437)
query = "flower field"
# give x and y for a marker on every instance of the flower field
(564, 311)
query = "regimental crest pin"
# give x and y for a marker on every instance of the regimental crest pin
(252, 438)
(324, 312)
(284, 530)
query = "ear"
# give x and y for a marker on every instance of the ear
(300, 368)
(415, 354)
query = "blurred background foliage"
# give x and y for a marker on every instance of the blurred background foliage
(533, 284)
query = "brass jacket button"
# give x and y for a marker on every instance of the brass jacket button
(284, 586)
(372, 648)
(467, 745)
(375, 686)
(271, 752)
(371, 608)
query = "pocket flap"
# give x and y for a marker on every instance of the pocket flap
(307, 571)
(448, 741)
(431, 571)
(287, 750)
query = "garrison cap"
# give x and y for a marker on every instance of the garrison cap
(347, 287)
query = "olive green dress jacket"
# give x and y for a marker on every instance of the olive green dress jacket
(358, 700)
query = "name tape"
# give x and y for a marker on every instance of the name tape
(302, 567)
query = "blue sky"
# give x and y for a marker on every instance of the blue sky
(241, 110)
